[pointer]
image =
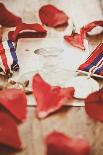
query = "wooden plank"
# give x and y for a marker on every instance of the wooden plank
(74, 122)
(31, 135)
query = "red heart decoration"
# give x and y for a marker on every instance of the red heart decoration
(59, 144)
(52, 16)
(8, 132)
(7, 18)
(14, 100)
(49, 98)
(94, 105)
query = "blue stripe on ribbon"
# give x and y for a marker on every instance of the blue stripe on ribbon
(99, 70)
(95, 61)
(13, 53)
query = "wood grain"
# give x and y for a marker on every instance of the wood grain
(71, 121)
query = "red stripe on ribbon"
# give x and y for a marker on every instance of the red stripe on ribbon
(3, 57)
(92, 57)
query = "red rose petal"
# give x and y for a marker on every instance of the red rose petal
(94, 105)
(14, 100)
(77, 40)
(52, 16)
(59, 144)
(8, 132)
(7, 18)
(21, 28)
(49, 98)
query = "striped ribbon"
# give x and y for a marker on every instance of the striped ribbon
(8, 58)
(94, 63)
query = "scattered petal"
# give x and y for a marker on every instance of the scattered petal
(59, 144)
(8, 132)
(52, 16)
(14, 100)
(24, 30)
(7, 18)
(94, 105)
(50, 98)
(75, 40)
(78, 40)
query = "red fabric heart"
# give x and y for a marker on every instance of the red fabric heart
(14, 100)
(94, 105)
(21, 28)
(49, 98)
(8, 132)
(77, 40)
(59, 144)
(52, 16)
(7, 18)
